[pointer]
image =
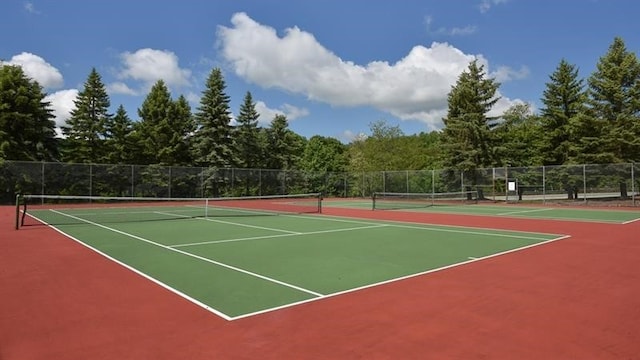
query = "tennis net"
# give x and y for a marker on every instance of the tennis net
(62, 209)
(399, 201)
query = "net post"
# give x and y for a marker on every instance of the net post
(206, 208)
(18, 197)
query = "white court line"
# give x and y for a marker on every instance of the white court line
(524, 211)
(630, 221)
(318, 295)
(231, 223)
(278, 236)
(144, 275)
(397, 279)
(194, 256)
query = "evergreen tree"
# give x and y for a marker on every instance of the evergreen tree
(519, 135)
(614, 90)
(284, 146)
(183, 126)
(119, 138)
(468, 142)
(564, 99)
(166, 127)
(213, 143)
(27, 130)
(85, 130)
(246, 134)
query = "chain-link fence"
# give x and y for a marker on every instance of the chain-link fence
(615, 183)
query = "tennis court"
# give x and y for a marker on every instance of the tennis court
(248, 257)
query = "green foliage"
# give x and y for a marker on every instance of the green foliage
(468, 142)
(246, 134)
(27, 131)
(213, 143)
(614, 93)
(519, 137)
(119, 144)
(324, 154)
(165, 127)
(86, 129)
(284, 147)
(564, 100)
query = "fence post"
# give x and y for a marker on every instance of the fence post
(42, 182)
(407, 177)
(433, 181)
(544, 185)
(633, 185)
(90, 180)
(584, 182)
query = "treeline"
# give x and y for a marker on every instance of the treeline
(582, 121)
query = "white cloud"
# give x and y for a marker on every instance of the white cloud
(267, 114)
(150, 65)
(485, 5)
(38, 69)
(443, 31)
(467, 30)
(413, 88)
(120, 88)
(62, 105)
(505, 73)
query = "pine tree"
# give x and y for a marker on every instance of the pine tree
(165, 128)
(27, 130)
(183, 127)
(614, 90)
(519, 135)
(468, 142)
(213, 142)
(119, 138)
(246, 134)
(564, 99)
(284, 146)
(86, 130)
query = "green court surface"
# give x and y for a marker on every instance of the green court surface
(613, 215)
(237, 266)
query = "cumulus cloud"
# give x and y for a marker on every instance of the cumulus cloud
(413, 88)
(267, 114)
(62, 103)
(150, 65)
(38, 69)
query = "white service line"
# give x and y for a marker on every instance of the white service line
(399, 278)
(278, 236)
(231, 223)
(194, 256)
(523, 211)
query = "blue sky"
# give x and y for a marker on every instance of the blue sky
(332, 67)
